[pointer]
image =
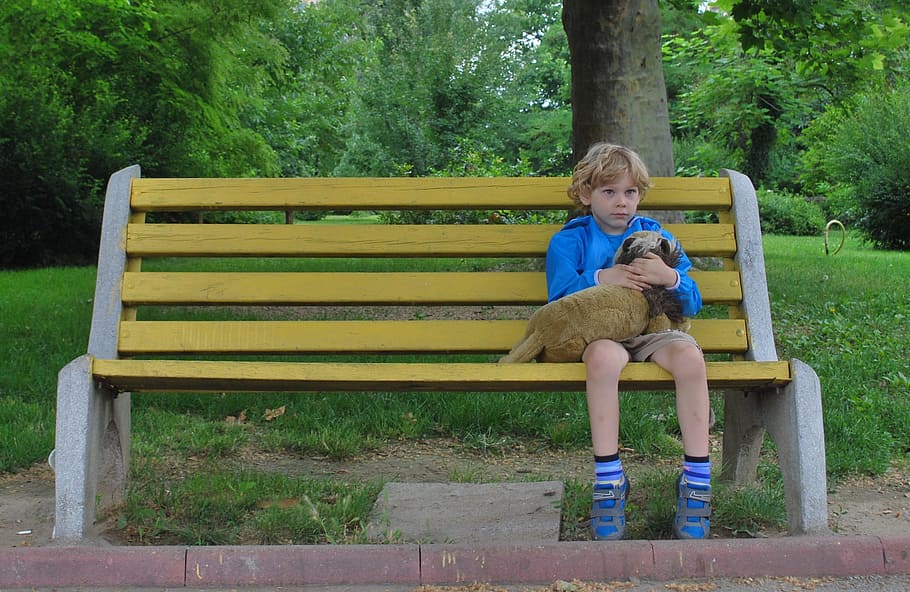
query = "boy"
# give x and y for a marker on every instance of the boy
(608, 184)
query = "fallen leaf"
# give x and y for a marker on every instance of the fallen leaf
(283, 504)
(272, 414)
(236, 419)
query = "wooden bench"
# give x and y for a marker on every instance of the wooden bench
(129, 352)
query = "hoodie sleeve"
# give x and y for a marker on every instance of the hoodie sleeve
(687, 291)
(566, 271)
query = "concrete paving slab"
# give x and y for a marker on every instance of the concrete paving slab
(460, 513)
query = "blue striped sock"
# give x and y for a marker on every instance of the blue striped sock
(607, 470)
(698, 471)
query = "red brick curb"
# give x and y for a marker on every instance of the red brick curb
(296, 565)
(796, 556)
(92, 566)
(415, 565)
(897, 554)
(527, 564)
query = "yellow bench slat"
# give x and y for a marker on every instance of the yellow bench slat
(370, 336)
(314, 288)
(151, 195)
(275, 240)
(184, 376)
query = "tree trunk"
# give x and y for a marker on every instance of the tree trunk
(618, 89)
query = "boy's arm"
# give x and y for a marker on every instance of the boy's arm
(687, 291)
(564, 270)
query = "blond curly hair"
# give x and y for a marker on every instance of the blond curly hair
(603, 164)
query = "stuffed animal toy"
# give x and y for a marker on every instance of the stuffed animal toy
(560, 331)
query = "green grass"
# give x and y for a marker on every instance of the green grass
(846, 315)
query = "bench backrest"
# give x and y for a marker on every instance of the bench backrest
(315, 289)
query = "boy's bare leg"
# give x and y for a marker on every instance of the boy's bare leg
(604, 361)
(687, 365)
(693, 507)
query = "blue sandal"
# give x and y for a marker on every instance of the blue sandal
(693, 510)
(608, 512)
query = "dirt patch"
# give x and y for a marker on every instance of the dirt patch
(863, 506)
(27, 507)
(879, 506)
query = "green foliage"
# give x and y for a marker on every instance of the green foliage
(105, 84)
(502, 89)
(425, 91)
(742, 104)
(785, 213)
(306, 113)
(835, 39)
(696, 157)
(236, 88)
(860, 150)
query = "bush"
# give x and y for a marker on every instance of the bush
(785, 213)
(863, 146)
(697, 157)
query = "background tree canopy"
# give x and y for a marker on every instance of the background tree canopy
(427, 87)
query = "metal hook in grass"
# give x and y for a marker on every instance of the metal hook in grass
(843, 236)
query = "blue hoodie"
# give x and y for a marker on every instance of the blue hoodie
(581, 248)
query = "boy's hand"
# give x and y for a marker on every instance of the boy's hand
(622, 275)
(645, 272)
(651, 269)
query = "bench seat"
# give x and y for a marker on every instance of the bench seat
(243, 376)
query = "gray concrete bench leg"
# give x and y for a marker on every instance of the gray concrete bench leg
(792, 417)
(92, 450)
(744, 434)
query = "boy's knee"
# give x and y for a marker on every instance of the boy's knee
(605, 356)
(688, 359)
(681, 358)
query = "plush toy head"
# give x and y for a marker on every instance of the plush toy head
(561, 330)
(660, 300)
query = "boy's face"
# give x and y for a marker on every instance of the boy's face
(613, 204)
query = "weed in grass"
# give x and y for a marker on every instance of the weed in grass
(471, 474)
(649, 423)
(165, 433)
(218, 507)
(744, 511)
(576, 511)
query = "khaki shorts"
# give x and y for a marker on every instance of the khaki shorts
(643, 347)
